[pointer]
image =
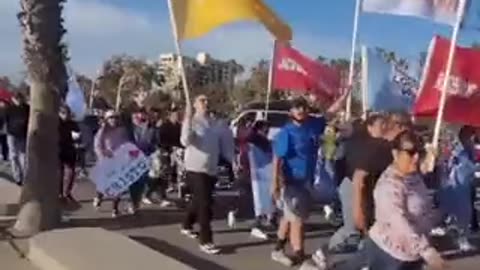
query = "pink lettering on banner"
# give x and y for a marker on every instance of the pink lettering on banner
(457, 86)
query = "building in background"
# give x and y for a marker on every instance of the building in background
(201, 71)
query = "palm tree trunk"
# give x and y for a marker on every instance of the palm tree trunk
(44, 57)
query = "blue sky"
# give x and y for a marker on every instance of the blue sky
(101, 28)
(333, 19)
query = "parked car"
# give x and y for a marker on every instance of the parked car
(277, 115)
(275, 118)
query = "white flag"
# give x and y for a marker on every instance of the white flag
(75, 99)
(442, 11)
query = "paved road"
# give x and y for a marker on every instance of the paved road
(159, 229)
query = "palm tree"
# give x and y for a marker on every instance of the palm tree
(44, 55)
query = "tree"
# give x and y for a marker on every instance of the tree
(129, 74)
(44, 55)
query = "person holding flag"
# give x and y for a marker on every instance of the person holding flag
(205, 142)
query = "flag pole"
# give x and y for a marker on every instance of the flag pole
(118, 100)
(92, 89)
(351, 71)
(270, 79)
(178, 49)
(364, 82)
(448, 71)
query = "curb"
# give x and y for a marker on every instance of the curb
(95, 248)
(9, 197)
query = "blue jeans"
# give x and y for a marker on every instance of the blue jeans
(378, 259)
(17, 149)
(347, 235)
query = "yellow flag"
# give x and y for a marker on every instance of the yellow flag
(195, 18)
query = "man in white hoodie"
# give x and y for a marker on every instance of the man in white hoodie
(205, 140)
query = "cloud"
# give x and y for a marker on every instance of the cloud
(99, 29)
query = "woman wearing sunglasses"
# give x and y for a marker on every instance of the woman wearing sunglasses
(403, 213)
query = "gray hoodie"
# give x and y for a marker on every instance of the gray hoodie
(205, 139)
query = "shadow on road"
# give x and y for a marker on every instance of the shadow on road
(7, 176)
(179, 254)
(144, 218)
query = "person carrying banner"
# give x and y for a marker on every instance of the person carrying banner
(142, 134)
(204, 141)
(110, 137)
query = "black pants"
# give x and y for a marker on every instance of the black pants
(4, 146)
(200, 208)
(156, 185)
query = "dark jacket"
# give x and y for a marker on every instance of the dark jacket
(17, 120)
(3, 118)
(66, 142)
(169, 135)
(143, 137)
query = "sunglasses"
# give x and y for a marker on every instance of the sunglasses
(411, 152)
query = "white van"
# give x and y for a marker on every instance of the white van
(276, 118)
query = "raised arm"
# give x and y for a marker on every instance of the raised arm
(187, 135)
(337, 106)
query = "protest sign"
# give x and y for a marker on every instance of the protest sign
(113, 176)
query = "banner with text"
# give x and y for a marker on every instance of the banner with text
(113, 176)
(463, 97)
(297, 72)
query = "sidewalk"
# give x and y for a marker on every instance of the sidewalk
(11, 260)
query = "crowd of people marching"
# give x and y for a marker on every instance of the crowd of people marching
(374, 174)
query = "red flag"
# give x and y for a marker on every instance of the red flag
(294, 71)
(463, 98)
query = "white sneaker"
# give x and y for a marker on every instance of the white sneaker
(189, 233)
(131, 210)
(329, 213)
(210, 249)
(439, 232)
(464, 245)
(280, 257)
(147, 201)
(97, 203)
(115, 213)
(320, 259)
(257, 233)
(65, 218)
(231, 219)
(166, 203)
(310, 265)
